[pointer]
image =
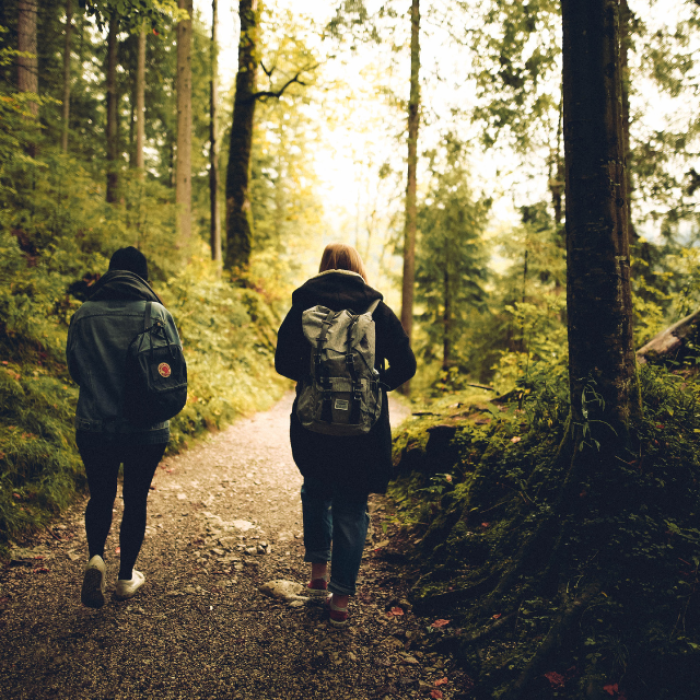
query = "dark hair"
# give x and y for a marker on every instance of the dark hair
(130, 259)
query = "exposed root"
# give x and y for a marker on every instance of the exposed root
(551, 643)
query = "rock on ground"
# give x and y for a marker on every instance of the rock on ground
(224, 517)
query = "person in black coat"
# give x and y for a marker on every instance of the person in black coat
(341, 471)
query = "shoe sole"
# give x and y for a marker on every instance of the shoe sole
(92, 594)
(316, 593)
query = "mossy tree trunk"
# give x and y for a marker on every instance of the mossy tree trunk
(409, 241)
(238, 208)
(183, 162)
(601, 353)
(112, 126)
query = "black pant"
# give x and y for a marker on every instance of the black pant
(102, 459)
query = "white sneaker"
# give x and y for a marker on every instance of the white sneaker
(129, 588)
(93, 592)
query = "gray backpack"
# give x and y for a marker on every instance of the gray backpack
(340, 395)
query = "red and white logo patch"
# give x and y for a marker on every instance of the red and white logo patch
(164, 370)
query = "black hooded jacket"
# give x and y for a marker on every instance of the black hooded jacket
(358, 464)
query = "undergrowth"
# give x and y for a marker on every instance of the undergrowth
(608, 605)
(54, 241)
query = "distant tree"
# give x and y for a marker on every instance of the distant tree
(27, 65)
(409, 240)
(183, 162)
(451, 258)
(238, 211)
(239, 228)
(215, 211)
(66, 74)
(140, 106)
(112, 109)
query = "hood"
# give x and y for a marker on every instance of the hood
(122, 285)
(336, 289)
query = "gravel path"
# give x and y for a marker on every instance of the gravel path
(224, 518)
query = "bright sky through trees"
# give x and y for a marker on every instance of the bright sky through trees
(360, 127)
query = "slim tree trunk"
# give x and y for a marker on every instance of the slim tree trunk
(238, 208)
(409, 242)
(215, 226)
(112, 126)
(601, 352)
(183, 163)
(625, 43)
(447, 320)
(140, 99)
(66, 74)
(27, 66)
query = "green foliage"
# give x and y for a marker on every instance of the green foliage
(451, 257)
(630, 533)
(56, 236)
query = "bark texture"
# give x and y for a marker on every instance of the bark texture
(238, 208)
(409, 241)
(215, 225)
(601, 354)
(112, 126)
(183, 163)
(141, 99)
(66, 73)
(27, 66)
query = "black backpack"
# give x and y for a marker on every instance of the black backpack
(155, 386)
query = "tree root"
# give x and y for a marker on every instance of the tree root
(451, 598)
(551, 642)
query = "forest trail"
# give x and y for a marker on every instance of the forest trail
(201, 628)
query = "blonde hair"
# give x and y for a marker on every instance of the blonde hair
(339, 256)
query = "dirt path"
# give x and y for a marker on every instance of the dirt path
(224, 517)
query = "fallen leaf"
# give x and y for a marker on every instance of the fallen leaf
(485, 524)
(396, 611)
(118, 550)
(496, 616)
(611, 689)
(515, 439)
(436, 694)
(441, 681)
(440, 623)
(556, 680)
(41, 570)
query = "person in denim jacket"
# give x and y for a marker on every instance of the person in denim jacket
(340, 471)
(99, 336)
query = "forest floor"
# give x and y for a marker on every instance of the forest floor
(224, 518)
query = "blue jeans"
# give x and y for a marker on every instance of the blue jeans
(338, 518)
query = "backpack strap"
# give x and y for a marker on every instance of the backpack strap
(147, 316)
(327, 410)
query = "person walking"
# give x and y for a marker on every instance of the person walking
(100, 334)
(340, 471)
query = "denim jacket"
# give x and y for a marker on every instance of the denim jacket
(99, 336)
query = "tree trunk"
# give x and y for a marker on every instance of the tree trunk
(66, 74)
(140, 99)
(409, 242)
(238, 209)
(112, 127)
(215, 225)
(601, 353)
(625, 43)
(27, 66)
(447, 320)
(183, 163)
